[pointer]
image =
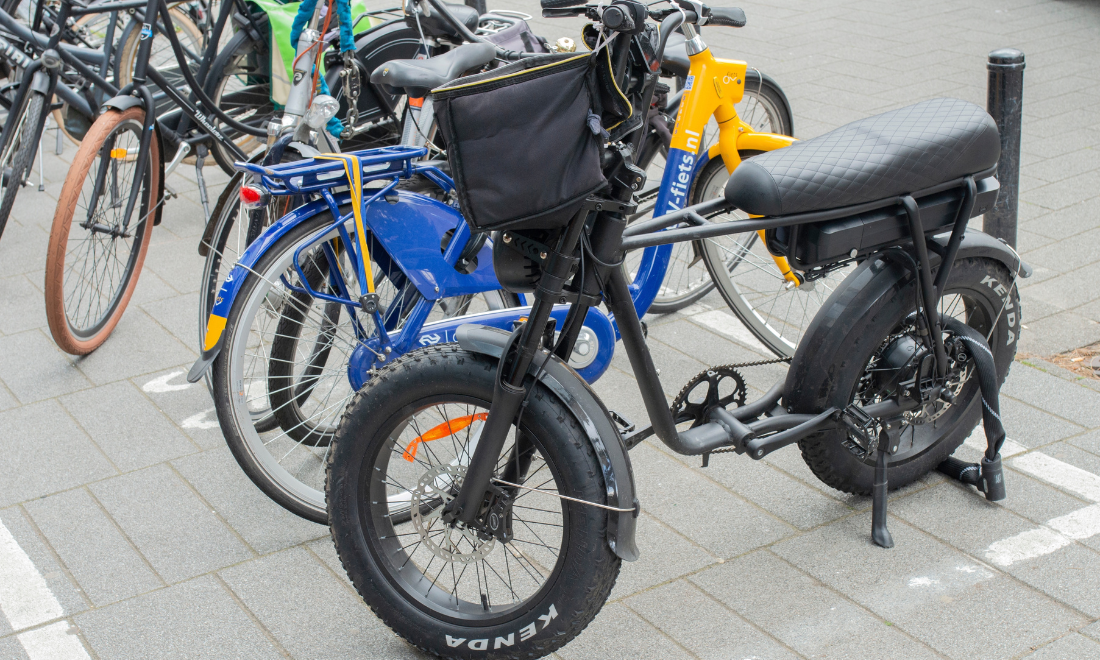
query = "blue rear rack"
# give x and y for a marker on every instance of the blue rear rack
(316, 175)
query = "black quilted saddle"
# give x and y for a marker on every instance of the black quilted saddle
(894, 153)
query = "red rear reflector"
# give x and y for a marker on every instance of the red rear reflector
(253, 196)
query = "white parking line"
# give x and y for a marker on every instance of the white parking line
(160, 384)
(199, 421)
(1056, 534)
(731, 327)
(1059, 473)
(53, 642)
(26, 601)
(25, 598)
(1026, 545)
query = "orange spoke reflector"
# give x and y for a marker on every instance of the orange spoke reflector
(118, 154)
(445, 429)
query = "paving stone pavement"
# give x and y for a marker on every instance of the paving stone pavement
(127, 531)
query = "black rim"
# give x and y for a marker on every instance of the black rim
(919, 438)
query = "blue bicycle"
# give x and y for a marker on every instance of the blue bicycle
(288, 339)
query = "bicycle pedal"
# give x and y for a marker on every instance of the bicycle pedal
(624, 424)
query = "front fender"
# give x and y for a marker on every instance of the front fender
(591, 415)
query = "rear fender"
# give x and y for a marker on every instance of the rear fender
(593, 418)
(884, 274)
(223, 302)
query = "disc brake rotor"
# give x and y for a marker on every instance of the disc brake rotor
(454, 544)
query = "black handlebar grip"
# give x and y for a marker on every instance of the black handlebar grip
(614, 18)
(555, 4)
(727, 16)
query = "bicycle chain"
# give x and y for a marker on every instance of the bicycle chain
(677, 402)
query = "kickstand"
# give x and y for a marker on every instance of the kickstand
(879, 534)
(200, 161)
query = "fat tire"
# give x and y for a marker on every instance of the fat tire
(830, 360)
(579, 589)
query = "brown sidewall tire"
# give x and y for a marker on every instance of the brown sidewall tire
(62, 223)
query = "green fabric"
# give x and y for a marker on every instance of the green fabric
(280, 17)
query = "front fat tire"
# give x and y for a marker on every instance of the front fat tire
(572, 596)
(839, 344)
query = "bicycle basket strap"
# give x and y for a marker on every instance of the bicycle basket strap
(354, 171)
(522, 150)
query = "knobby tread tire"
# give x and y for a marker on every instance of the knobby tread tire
(823, 381)
(371, 586)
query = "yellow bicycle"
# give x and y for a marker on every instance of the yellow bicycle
(709, 141)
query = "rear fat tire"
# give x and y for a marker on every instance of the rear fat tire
(860, 319)
(576, 590)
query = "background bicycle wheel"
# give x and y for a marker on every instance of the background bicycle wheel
(303, 345)
(764, 107)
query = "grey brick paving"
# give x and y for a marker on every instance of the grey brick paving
(99, 556)
(168, 523)
(118, 485)
(194, 619)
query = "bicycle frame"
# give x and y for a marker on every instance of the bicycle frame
(138, 93)
(712, 89)
(697, 105)
(59, 53)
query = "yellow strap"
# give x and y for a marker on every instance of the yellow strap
(781, 263)
(355, 186)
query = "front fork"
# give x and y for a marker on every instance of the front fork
(509, 391)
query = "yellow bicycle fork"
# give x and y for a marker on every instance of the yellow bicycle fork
(713, 87)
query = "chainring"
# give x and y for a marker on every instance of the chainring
(694, 403)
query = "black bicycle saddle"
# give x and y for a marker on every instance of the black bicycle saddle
(894, 153)
(418, 77)
(435, 25)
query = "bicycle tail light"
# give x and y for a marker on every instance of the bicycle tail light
(254, 197)
(323, 108)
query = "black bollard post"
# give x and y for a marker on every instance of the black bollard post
(1005, 103)
(479, 5)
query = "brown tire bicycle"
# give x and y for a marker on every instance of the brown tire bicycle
(113, 193)
(95, 255)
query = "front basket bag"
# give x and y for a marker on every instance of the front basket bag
(522, 150)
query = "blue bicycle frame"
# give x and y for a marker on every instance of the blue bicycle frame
(409, 230)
